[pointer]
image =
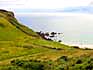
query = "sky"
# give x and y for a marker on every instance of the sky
(65, 8)
(46, 5)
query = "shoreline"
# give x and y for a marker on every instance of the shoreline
(81, 46)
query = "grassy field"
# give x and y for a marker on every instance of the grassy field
(22, 49)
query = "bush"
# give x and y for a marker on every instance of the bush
(79, 61)
(78, 67)
(88, 49)
(11, 68)
(77, 47)
(65, 58)
(50, 62)
(89, 67)
(28, 65)
(60, 67)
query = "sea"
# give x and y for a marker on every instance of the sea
(77, 28)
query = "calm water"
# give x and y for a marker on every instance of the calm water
(76, 29)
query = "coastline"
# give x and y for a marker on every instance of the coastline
(81, 46)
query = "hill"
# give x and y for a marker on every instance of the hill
(23, 49)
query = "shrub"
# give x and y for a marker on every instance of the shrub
(12, 62)
(60, 67)
(65, 58)
(50, 62)
(77, 47)
(88, 67)
(77, 67)
(78, 61)
(88, 49)
(28, 65)
(11, 68)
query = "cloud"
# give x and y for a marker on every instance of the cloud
(6, 4)
(44, 5)
(81, 9)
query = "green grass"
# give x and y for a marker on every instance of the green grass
(20, 42)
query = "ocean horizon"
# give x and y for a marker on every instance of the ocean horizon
(76, 28)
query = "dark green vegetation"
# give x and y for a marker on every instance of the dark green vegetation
(23, 49)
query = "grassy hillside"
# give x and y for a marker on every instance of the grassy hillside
(23, 49)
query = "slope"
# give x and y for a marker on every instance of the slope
(19, 45)
(11, 28)
(18, 40)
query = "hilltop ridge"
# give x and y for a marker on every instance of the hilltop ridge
(9, 26)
